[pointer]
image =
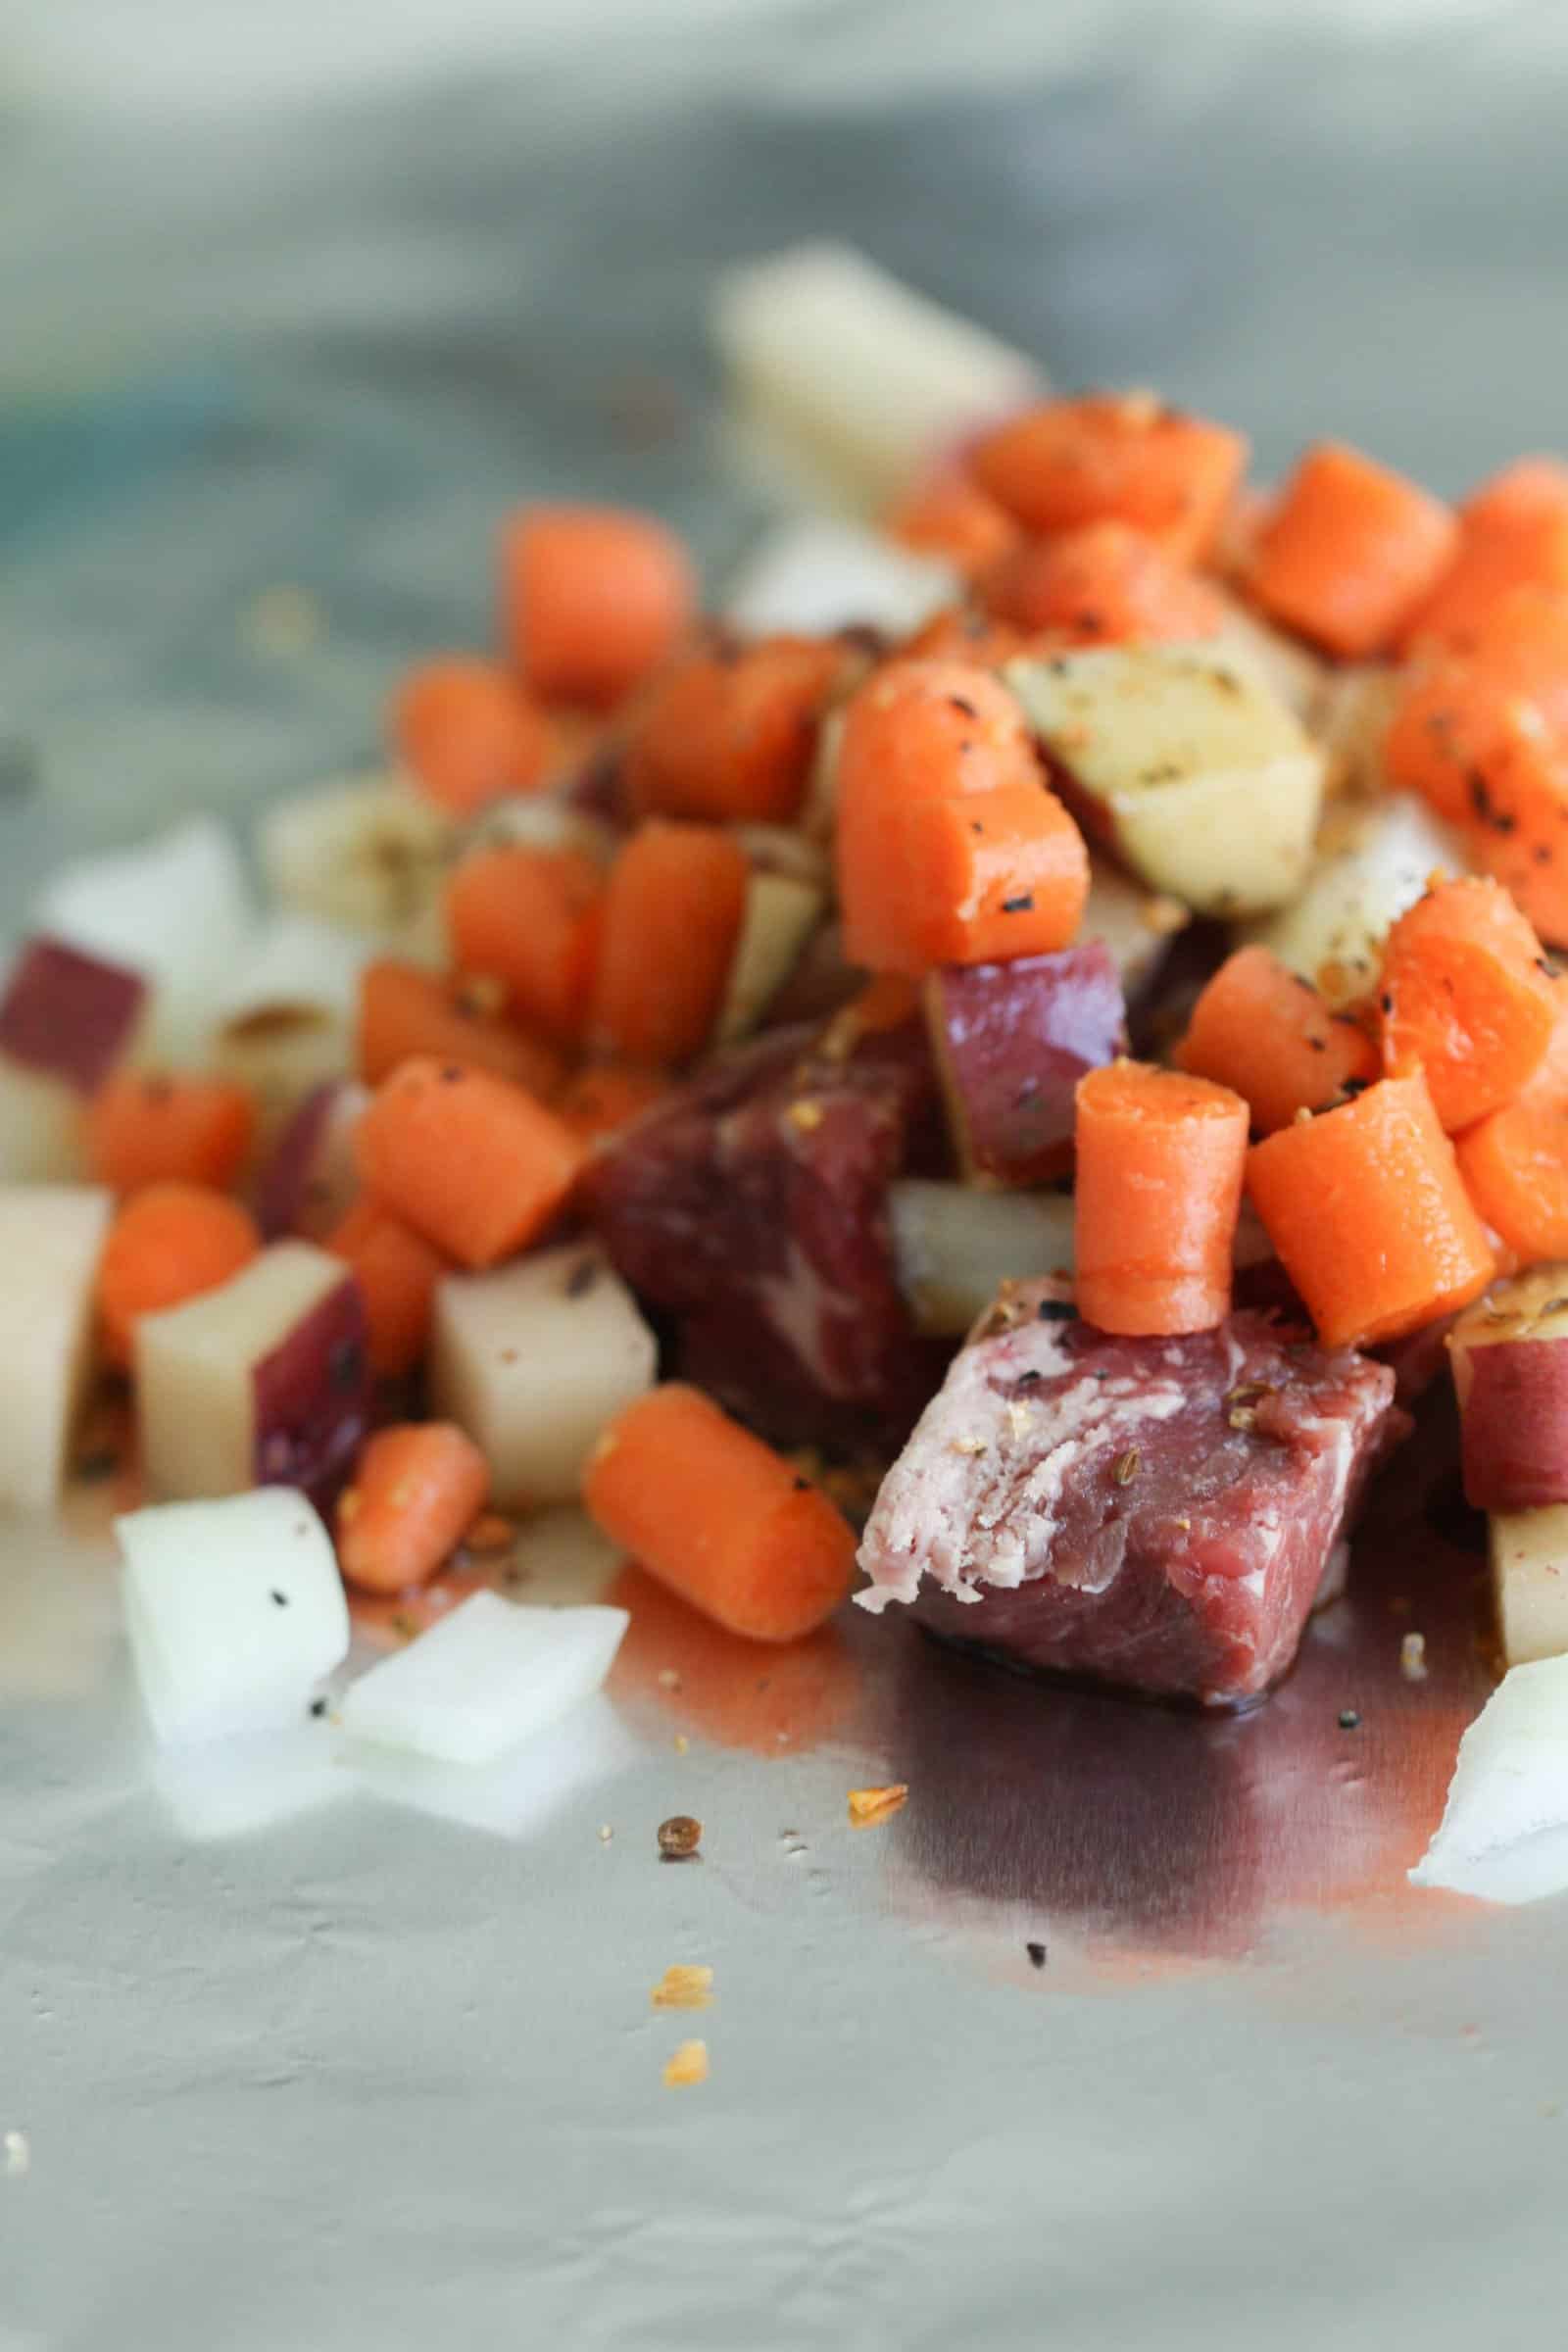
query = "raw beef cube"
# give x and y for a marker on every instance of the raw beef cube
(1160, 1514)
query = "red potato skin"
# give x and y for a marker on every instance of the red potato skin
(1011, 1042)
(1514, 1424)
(311, 1399)
(68, 1015)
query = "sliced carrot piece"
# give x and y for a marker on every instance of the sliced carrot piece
(151, 1127)
(467, 1159)
(1102, 584)
(593, 599)
(1159, 1164)
(468, 733)
(416, 1488)
(168, 1244)
(672, 916)
(950, 516)
(608, 1096)
(1463, 717)
(1350, 551)
(1515, 1163)
(719, 1517)
(1467, 994)
(1369, 1215)
(1513, 532)
(397, 1271)
(1262, 1030)
(530, 919)
(957, 634)
(405, 1011)
(1520, 832)
(1118, 457)
(733, 737)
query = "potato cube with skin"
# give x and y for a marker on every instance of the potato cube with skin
(234, 1610)
(1333, 934)
(1199, 775)
(1530, 1582)
(51, 1238)
(1509, 1355)
(484, 1678)
(264, 1380)
(533, 1359)
(366, 851)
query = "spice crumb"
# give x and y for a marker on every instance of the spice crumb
(18, 2155)
(679, 1837)
(605, 1832)
(683, 1743)
(1349, 1719)
(683, 1986)
(1125, 1468)
(688, 2066)
(869, 1806)
(1413, 1657)
(1037, 1955)
(804, 1115)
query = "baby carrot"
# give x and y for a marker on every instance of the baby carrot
(168, 1244)
(1259, 1028)
(406, 1011)
(607, 1096)
(1513, 532)
(733, 737)
(531, 920)
(467, 732)
(1161, 1158)
(1102, 584)
(1515, 1163)
(416, 1488)
(672, 916)
(1465, 992)
(950, 516)
(1123, 458)
(149, 1127)
(593, 599)
(397, 1271)
(718, 1516)
(468, 1160)
(1350, 551)
(1367, 1211)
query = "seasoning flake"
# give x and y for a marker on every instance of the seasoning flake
(688, 2066)
(683, 1985)
(869, 1806)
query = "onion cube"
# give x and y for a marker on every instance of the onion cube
(1504, 1829)
(484, 1678)
(264, 1381)
(51, 1237)
(532, 1361)
(234, 1609)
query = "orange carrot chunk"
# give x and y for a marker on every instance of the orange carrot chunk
(950, 516)
(1370, 1218)
(397, 1271)
(531, 920)
(1466, 992)
(1350, 551)
(406, 1011)
(949, 847)
(416, 1488)
(168, 1244)
(593, 599)
(1513, 532)
(1466, 717)
(1522, 839)
(470, 1161)
(733, 738)
(958, 634)
(1261, 1030)
(1119, 458)
(1515, 1163)
(1102, 584)
(608, 1096)
(468, 733)
(673, 917)
(1161, 1159)
(152, 1128)
(718, 1516)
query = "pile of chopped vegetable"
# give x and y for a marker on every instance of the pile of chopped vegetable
(639, 1091)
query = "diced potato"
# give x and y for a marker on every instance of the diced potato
(484, 1678)
(263, 1378)
(784, 849)
(367, 853)
(1295, 674)
(307, 1180)
(1206, 783)
(808, 578)
(42, 1135)
(1381, 864)
(174, 910)
(542, 820)
(51, 1237)
(532, 1361)
(282, 1052)
(955, 1247)
(1135, 925)
(781, 913)
(296, 960)
(1351, 722)
(1509, 1353)
(234, 1609)
(855, 377)
(1530, 1582)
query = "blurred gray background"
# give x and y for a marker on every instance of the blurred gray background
(301, 296)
